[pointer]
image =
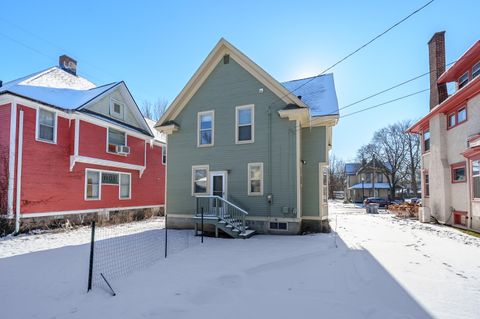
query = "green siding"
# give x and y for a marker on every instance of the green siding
(228, 86)
(313, 152)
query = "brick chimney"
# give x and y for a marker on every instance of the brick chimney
(67, 64)
(436, 52)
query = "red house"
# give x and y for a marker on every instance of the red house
(69, 147)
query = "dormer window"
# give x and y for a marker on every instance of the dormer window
(463, 80)
(116, 109)
(476, 70)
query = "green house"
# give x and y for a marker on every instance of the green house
(247, 152)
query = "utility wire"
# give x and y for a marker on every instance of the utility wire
(384, 103)
(390, 88)
(360, 48)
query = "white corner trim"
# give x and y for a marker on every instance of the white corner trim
(298, 141)
(102, 162)
(19, 173)
(85, 211)
(11, 157)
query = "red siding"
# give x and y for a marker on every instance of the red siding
(5, 111)
(93, 133)
(49, 186)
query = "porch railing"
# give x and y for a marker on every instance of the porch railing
(218, 207)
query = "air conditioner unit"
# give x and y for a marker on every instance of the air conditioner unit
(124, 150)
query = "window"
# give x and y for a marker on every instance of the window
(457, 117)
(116, 138)
(476, 70)
(427, 184)
(46, 123)
(92, 185)
(426, 141)
(463, 80)
(462, 115)
(244, 124)
(458, 172)
(125, 186)
(452, 120)
(325, 185)
(379, 178)
(368, 177)
(255, 179)
(205, 128)
(110, 178)
(476, 179)
(199, 180)
(116, 109)
(164, 154)
(278, 226)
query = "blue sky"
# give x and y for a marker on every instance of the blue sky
(155, 46)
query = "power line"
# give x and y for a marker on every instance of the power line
(360, 48)
(384, 103)
(390, 88)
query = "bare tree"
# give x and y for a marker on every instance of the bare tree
(154, 110)
(337, 176)
(412, 167)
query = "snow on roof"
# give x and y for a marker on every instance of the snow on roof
(161, 137)
(352, 168)
(57, 88)
(317, 93)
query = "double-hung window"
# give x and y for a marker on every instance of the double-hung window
(457, 117)
(244, 124)
(46, 126)
(205, 134)
(92, 185)
(426, 141)
(476, 70)
(426, 177)
(164, 154)
(116, 139)
(125, 186)
(476, 179)
(199, 180)
(255, 179)
(463, 80)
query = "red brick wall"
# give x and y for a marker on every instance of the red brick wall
(4, 152)
(49, 186)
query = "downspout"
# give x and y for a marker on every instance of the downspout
(270, 179)
(11, 158)
(19, 173)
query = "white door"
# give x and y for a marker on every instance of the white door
(218, 184)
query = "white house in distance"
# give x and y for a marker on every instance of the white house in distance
(451, 139)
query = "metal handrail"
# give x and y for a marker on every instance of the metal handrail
(229, 212)
(224, 200)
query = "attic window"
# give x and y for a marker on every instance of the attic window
(226, 59)
(463, 80)
(116, 109)
(476, 70)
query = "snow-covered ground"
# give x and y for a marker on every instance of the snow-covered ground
(375, 266)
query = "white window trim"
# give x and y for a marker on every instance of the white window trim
(249, 179)
(164, 149)
(322, 167)
(237, 110)
(100, 184)
(122, 111)
(199, 114)
(126, 140)
(192, 182)
(120, 186)
(37, 126)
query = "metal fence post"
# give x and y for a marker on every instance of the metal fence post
(92, 248)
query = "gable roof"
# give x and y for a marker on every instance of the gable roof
(60, 89)
(222, 48)
(352, 168)
(158, 136)
(318, 93)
